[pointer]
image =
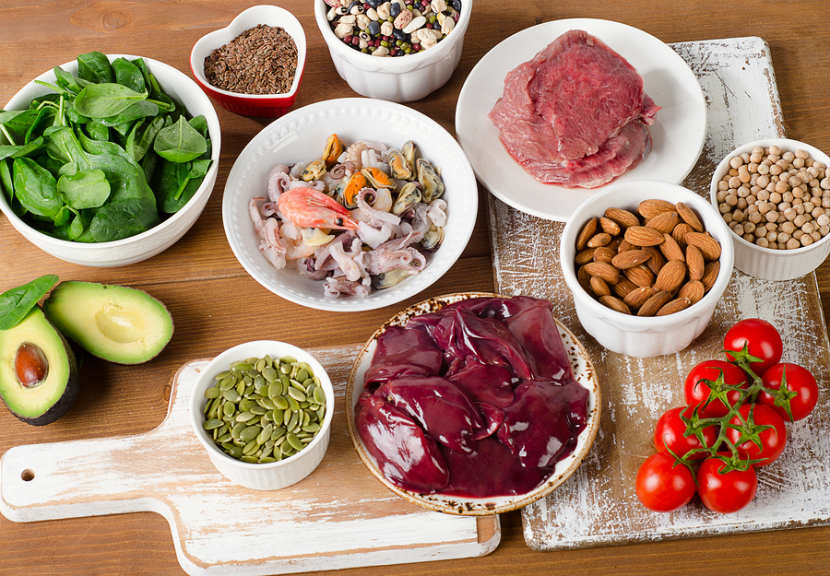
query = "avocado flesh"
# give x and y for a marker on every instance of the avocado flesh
(115, 323)
(54, 395)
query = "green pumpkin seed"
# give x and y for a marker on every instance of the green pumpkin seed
(296, 394)
(293, 421)
(278, 432)
(286, 417)
(229, 408)
(266, 403)
(249, 459)
(302, 374)
(293, 404)
(294, 442)
(277, 413)
(245, 416)
(231, 395)
(212, 424)
(287, 450)
(281, 403)
(212, 392)
(319, 395)
(278, 442)
(237, 430)
(311, 428)
(224, 438)
(232, 450)
(265, 434)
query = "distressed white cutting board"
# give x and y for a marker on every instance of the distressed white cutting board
(598, 505)
(338, 517)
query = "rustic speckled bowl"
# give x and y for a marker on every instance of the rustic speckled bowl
(583, 372)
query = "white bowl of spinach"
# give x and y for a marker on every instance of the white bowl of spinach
(107, 160)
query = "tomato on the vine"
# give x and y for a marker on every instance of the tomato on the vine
(757, 424)
(725, 492)
(669, 434)
(697, 391)
(663, 484)
(799, 388)
(760, 338)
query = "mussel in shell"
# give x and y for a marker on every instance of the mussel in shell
(410, 151)
(333, 150)
(399, 166)
(390, 278)
(408, 196)
(431, 182)
(433, 238)
(314, 170)
(377, 178)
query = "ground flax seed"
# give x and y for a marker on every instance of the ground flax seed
(261, 60)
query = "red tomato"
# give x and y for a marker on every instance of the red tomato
(668, 434)
(697, 391)
(772, 440)
(725, 492)
(664, 485)
(801, 390)
(763, 342)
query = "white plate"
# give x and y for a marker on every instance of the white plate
(300, 137)
(677, 135)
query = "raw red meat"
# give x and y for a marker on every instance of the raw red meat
(575, 114)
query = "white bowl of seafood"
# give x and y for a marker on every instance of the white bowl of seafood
(350, 204)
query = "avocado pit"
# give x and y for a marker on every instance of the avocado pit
(30, 365)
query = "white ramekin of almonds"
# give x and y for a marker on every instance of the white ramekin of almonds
(774, 195)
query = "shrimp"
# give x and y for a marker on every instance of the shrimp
(308, 208)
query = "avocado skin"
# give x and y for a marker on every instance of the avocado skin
(66, 401)
(67, 289)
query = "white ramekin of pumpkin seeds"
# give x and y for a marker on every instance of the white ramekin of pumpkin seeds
(263, 412)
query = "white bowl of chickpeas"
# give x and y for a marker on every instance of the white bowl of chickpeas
(774, 195)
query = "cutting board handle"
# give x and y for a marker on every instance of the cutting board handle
(82, 478)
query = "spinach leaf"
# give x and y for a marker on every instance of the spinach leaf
(121, 219)
(177, 183)
(128, 74)
(16, 303)
(136, 111)
(105, 100)
(6, 180)
(44, 117)
(63, 146)
(35, 188)
(9, 151)
(63, 216)
(153, 87)
(140, 141)
(17, 125)
(179, 142)
(199, 124)
(148, 165)
(84, 189)
(77, 227)
(95, 67)
(104, 147)
(68, 81)
(97, 130)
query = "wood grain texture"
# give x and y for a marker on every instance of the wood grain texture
(216, 304)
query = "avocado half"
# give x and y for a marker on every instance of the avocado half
(38, 372)
(115, 323)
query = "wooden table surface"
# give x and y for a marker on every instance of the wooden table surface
(216, 304)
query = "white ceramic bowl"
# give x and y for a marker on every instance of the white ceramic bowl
(261, 105)
(272, 475)
(400, 78)
(160, 237)
(300, 136)
(764, 262)
(635, 335)
(583, 371)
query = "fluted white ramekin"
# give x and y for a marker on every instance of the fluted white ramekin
(763, 262)
(399, 78)
(636, 335)
(272, 475)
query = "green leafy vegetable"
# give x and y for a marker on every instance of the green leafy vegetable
(95, 67)
(105, 100)
(139, 141)
(179, 142)
(35, 188)
(16, 303)
(84, 189)
(6, 181)
(128, 74)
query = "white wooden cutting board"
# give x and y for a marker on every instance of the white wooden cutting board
(338, 517)
(598, 505)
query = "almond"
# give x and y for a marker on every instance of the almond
(615, 244)
(588, 230)
(693, 290)
(615, 304)
(599, 287)
(679, 233)
(643, 236)
(584, 256)
(603, 254)
(583, 277)
(609, 226)
(671, 249)
(625, 245)
(624, 287)
(648, 209)
(675, 305)
(622, 217)
(599, 239)
(630, 259)
(640, 276)
(654, 303)
(710, 274)
(603, 270)
(671, 276)
(694, 260)
(708, 245)
(657, 259)
(638, 296)
(689, 216)
(664, 222)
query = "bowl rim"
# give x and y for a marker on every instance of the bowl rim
(299, 40)
(196, 418)
(631, 321)
(37, 237)
(721, 169)
(483, 507)
(352, 304)
(390, 64)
